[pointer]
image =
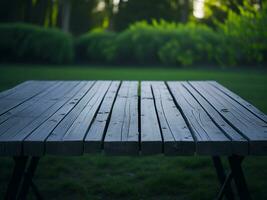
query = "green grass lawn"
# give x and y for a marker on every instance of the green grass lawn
(150, 177)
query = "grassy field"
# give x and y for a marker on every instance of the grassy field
(151, 177)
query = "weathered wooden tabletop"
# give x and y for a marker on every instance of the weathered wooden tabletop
(127, 118)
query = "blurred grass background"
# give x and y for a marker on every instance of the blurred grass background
(146, 177)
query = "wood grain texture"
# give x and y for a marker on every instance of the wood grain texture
(30, 102)
(177, 137)
(34, 144)
(23, 94)
(240, 100)
(14, 89)
(210, 140)
(151, 139)
(174, 118)
(252, 127)
(20, 124)
(122, 132)
(93, 141)
(67, 137)
(239, 143)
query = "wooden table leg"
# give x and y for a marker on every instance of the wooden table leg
(16, 178)
(21, 179)
(222, 177)
(239, 178)
(27, 181)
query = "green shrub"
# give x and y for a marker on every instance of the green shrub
(96, 46)
(23, 42)
(191, 44)
(124, 52)
(139, 43)
(167, 43)
(173, 54)
(244, 37)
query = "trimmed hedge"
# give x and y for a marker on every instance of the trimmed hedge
(241, 40)
(95, 46)
(142, 43)
(191, 44)
(24, 42)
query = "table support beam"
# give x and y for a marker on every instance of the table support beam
(21, 179)
(222, 178)
(16, 178)
(24, 169)
(236, 174)
(27, 181)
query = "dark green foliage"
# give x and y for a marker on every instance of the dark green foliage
(21, 42)
(96, 46)
(143, 43)
(244, 37)
(82, 17)
(191, 44)
(11, 10)
(241, 40)
(139, 44)
(132, 11)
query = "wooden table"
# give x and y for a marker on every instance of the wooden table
(128, 118)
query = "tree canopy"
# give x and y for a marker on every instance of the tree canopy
(79, 16)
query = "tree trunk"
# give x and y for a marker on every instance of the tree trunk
(109, 10)
(185, 11)
(66, 8)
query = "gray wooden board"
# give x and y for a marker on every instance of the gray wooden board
(177, 137)
(36, 105)
(210, 140)
(14, 89)
(28, 103)
(94, 139)
(151, 139)
(122, 136)
(239, 117)
(241, 101)
(29, 118)
(67, 137)
(34, 144)
(28, 90)
(239, 143)
(22, 95)
(73, 117)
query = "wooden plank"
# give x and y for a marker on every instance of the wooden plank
(28, 103)
(94, 139)
(239, 143)
(67, 138)
(241, 101)
(30, 118)
(122, 132)
(237, 116)
(28, 89)
(151, 139)
(28, 112)
(14, 89)
(23, 94)
(177, 137)
(210, 140)
(34, 144)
